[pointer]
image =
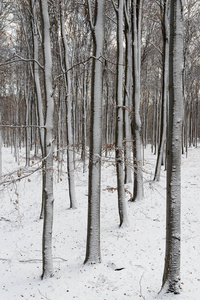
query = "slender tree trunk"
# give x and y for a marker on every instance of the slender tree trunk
(119, 118)
(136, 122)
(171, 277)
(93, 253)
(0, 148)
(83, 153)
(127, 97)
(36, 75)
(39, 96)
(28, 122)
(164, 91)
(48, 146)
(16, 132)
(70, 162)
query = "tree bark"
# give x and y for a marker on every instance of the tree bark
(70, 162)
(136, 122)
(93, 253)
(40, 110)
(165, 76)
(171, 277)
(48, 146)
(119, 118)
(127, 96)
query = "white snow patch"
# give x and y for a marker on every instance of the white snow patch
(133, 257)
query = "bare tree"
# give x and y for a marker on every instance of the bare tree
(67, 80)
(119, 116)
(97, 23)
(127, 94)
(48, 145)
(171, 277)
(165, 29)
(136, 121)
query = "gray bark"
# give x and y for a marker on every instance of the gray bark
(70, 162)
(136, 122)
(40, 111)
(127, 96)
(28, 129)
(48, 146)
(1, 142)
(171, 277)
(93, 253)
(165, 75)
(36, 74)
(119, 118)
(84, 139)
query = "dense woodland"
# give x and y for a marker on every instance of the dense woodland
(87, 78)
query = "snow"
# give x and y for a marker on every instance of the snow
(132, 257)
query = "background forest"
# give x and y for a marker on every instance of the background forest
(87, 93)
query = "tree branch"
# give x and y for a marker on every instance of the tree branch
(90, 15)
(10, 61)
(114, 5)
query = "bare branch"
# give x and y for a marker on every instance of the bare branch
(10, 61)
(156, 48)
(114, 5)
(90, 15)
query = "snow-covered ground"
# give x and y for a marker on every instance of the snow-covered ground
(132, 258)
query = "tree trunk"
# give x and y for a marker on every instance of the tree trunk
(93, 253)
(1, 149)
(127, 98)
(136, 122)
(171, 277)
(38, 95)
(119, 118)
(70, 162)
(84, 96)
(164, 91)
(48, 146)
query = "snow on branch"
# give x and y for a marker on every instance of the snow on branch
(12, 60)
(87, 60)
(17, 175)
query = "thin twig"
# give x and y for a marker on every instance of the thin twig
(39, 260)
(10, 60)
(43, 295)
(140, 282)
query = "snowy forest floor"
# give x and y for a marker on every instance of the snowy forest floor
(136, 251)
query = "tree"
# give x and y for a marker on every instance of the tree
(67, 81)
(36, 73)
(136, 122)
(119, 116)
(93, 253)
(165, 29)
(48, 145)
(171, 277)
(127, 94)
